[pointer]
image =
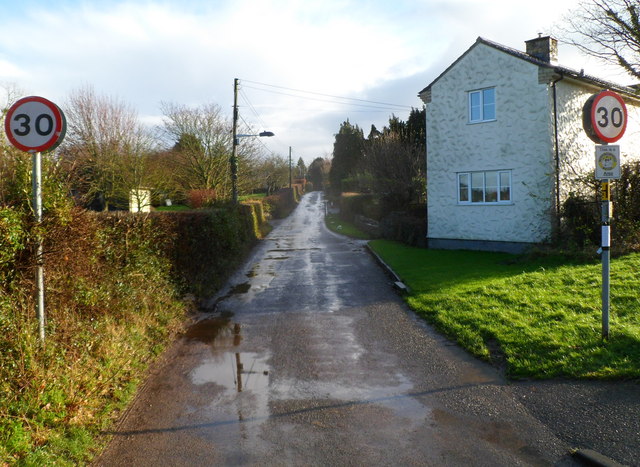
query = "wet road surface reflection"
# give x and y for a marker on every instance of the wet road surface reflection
(309, 358)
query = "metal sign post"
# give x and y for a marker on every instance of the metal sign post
(36, 181)
(604, 118)
(606, 255)
(34, 124)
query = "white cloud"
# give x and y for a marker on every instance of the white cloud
(189, 52)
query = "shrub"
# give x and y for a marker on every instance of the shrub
(280, 204)
(201, 198)
(579, 222)
(12, 239)
(352, 204)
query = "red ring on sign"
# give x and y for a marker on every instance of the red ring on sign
(56, 135)
(594, 123)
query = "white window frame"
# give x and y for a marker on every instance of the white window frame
(481, 94)
(469, 194)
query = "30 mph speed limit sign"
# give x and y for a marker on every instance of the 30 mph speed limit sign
(604, 117)
(35, 124)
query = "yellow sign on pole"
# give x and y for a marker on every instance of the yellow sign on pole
(605, 191)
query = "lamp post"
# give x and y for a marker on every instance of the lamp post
(233, 161)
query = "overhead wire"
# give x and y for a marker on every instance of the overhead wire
(258, 139)
(366, 101)
(372, 105)
(361, 105)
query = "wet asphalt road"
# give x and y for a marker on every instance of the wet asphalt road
(310, 358)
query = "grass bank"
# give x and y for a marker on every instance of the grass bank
(541, 316)
(335, 224)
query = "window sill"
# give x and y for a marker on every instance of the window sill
(482, 121)
(502, 203)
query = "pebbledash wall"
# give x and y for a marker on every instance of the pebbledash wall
(521, 140)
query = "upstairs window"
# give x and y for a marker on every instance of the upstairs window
(482, 105)
(484, 187)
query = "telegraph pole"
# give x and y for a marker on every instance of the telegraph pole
(233, 161)
(290, 184)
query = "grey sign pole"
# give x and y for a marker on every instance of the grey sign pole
(36, 181)
(606, 256)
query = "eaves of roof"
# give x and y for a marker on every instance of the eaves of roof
(561, 70)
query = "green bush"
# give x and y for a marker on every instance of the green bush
(580, 223)
(12, 239)
(352, 204)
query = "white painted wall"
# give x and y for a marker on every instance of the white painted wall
(520, 140)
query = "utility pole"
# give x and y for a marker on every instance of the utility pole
(290, 184)
(233, 161)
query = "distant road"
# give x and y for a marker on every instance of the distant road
(310, 358)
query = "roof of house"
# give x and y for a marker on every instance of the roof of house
(631, 91)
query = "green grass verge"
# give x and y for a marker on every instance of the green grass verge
(542, 315)
(175, 207)
(337, 225)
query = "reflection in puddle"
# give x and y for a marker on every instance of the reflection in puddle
(240, 379)
(217, 331)
(235, 371)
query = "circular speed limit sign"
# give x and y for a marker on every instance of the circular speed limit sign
(605, 117)
(35, 124)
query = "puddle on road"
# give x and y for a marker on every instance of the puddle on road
(233, 386)
(254, 273)
(396, 396)
(237, 289)
(291, 250)
(219, 331)
(236, 372)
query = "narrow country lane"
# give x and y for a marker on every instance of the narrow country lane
(310, 358)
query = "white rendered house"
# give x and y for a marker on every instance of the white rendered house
(505, 144)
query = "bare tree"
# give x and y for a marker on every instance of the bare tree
(201, 139)
(106, 148)
(608, 30)
(202, 145)
(272, 173)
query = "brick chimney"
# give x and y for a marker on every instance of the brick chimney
(543, 48)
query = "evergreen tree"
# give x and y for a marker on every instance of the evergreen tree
(347, 154)
(319, 172)
(301, 169)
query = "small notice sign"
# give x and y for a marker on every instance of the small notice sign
(607, 162)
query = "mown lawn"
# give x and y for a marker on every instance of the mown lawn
(543, 316)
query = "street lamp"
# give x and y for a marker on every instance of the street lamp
(236, 138)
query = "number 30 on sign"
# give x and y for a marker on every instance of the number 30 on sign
(35, 124)
(604, 117)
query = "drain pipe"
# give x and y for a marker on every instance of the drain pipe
(557, 149)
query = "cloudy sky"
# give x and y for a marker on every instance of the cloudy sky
(304, 66)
